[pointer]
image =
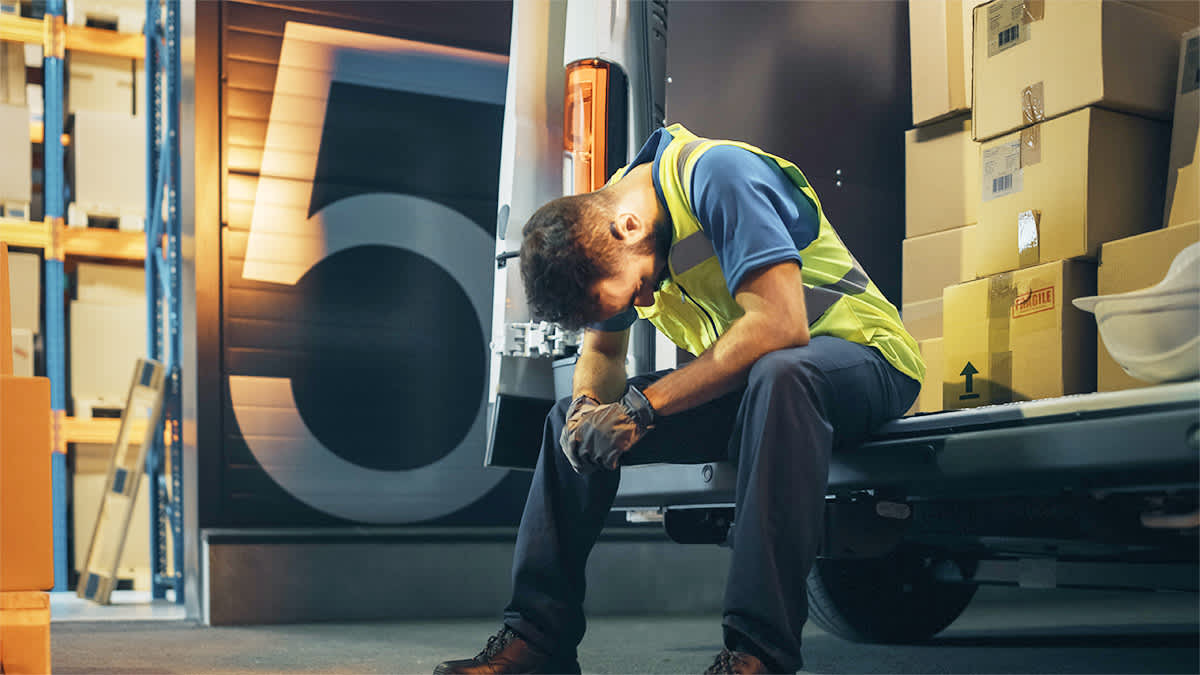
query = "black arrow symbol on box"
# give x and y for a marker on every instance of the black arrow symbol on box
(970, 372)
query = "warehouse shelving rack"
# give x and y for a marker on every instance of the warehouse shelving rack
(158, 247)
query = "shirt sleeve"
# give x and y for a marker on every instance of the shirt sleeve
(617, 323)
(751, 210)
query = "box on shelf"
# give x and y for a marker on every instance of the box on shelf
(10, 7)
(16, 168)
(1037, 60)
(24, 632)
(25, 282)
(1132, 264)
(1016, 336)
(105, 342)
(14, 210)
(1183, 170)
(12, 73)
(930, 398)
(941, 58)
(1059, 189)
(923, 320)
(934, 261)
(99, 83)
(109, 284)
(26, 552)
(941, 180)
(125, 16)
(108, 185)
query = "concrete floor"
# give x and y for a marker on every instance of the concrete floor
(1003, 631)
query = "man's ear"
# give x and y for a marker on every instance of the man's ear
(627, 227)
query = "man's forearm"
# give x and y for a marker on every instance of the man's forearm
(601, 376)
(721, 369)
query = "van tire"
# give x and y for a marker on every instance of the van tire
(893, 599)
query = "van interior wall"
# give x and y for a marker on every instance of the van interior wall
(825, 84)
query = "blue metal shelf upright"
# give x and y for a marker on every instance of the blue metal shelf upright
(163, 293)
(55, 207)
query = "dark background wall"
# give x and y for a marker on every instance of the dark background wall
(377, 341)
(825, 84)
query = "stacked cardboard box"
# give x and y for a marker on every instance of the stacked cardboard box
(26, 553)
(941, 169)
(1068, 116)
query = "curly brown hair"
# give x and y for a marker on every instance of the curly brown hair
(566, 249)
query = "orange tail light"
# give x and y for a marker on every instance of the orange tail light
(595, 102)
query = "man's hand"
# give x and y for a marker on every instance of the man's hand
(599, 434)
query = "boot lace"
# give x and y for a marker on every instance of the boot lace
(724, 663)
(497, 643)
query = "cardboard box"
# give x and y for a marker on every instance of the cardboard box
(941, 177)
(104, 141)
(930, 398)
(100, 83)
(940, 48)
(105, 343)
(1183, 169)
(923, 320)
(16, 167)
(1129, 265)
(1037, 60)
(1059, 189)
(1016, 336)
(24, 632)
(125, 16)
(12, 73)
(1187, 10)
(26, 554)
(25, 281)
(935, 261)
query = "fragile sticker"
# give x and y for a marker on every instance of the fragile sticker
(1002, 173)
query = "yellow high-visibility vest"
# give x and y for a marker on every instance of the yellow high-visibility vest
(694, 306)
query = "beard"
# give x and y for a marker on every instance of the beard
(659, 246)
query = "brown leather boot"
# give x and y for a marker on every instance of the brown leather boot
(508, 652)
(736, 662)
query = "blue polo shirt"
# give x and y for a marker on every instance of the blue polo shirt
(752, 212)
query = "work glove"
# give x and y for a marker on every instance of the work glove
(597, 435)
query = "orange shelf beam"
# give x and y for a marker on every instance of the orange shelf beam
(78, 38)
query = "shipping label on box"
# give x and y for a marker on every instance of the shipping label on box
(1035, 60)
(1057, 190)
(1016, 336)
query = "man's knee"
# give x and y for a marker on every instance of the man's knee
(785, 368)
